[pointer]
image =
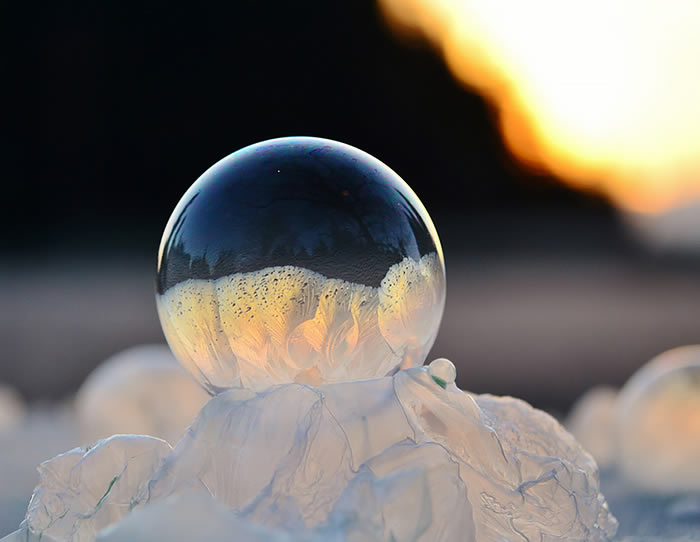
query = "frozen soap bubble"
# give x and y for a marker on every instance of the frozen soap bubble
(299, 260)
(11, 408)
(443, 372)
(657, 423)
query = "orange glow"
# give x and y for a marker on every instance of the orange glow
(289, 324)
(604, 94)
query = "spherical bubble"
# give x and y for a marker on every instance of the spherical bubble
(657, 423)
(299, 260)
(141, 390)
(443, 371)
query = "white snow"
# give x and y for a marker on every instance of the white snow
(12, 408)
(393, 458)
(591, 422)
(657, 424)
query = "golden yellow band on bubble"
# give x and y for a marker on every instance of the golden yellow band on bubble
(290, 324)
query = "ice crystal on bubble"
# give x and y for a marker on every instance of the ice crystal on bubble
(299, 260)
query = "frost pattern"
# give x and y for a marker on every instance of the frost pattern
(133, 392)
(289, 324)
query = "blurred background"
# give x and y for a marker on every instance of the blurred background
(554, 152)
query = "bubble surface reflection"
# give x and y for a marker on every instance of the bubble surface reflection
(299, 260)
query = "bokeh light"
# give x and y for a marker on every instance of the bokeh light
(602, 94)
(299, 259)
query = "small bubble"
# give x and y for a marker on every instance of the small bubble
(442, 371)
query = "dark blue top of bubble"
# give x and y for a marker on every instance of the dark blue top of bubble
(302, 201)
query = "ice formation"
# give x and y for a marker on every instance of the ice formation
(120, 396)
(443, 372)
(657, 423)
(299, 260)
(289, 324)
(362, 513)
(302, 282)
(440, 464)
(591, 423)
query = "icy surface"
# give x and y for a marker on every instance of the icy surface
(289, 324)
(443, 371)
(657, 424)
(394, 458)
(591, 422)
(142, 390)
(86, 489)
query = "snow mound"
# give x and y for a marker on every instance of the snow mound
(12, 408)
(86, 489)
(396, 458)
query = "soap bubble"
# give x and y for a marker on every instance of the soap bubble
(442, 371)
(299, 260)
(657, 423)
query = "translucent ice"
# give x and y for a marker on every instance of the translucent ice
(142, 390)
(44, 431)
(370, 509)
(299, 260)
(395, 458)
(86, 489)
(189, 517)
(657, 423)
